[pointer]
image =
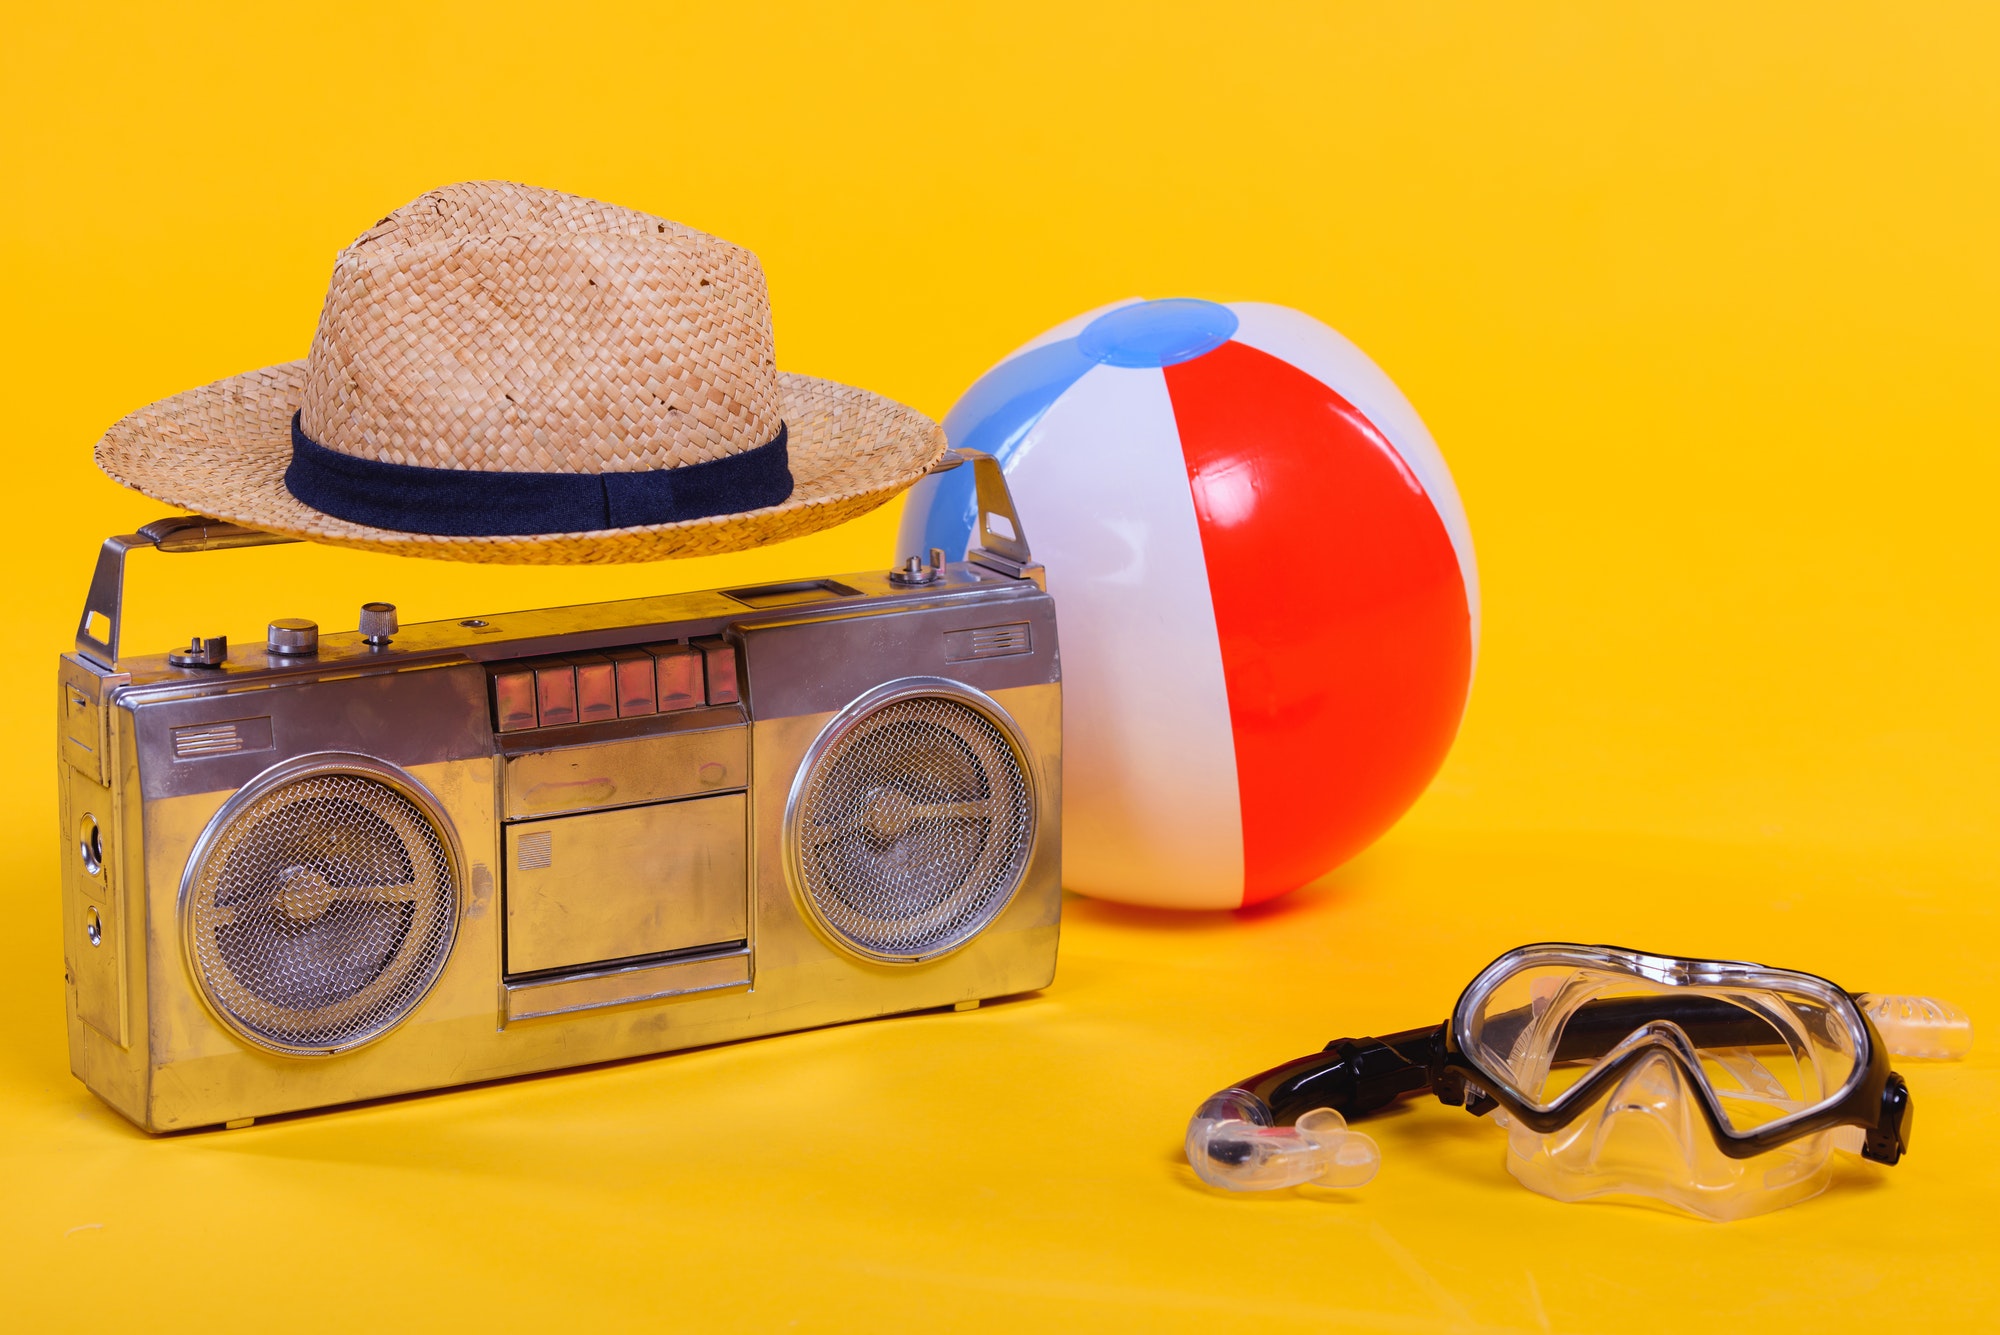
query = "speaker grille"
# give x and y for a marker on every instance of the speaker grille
(912, 825)
(320, 910)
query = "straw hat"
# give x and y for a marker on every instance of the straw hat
(509, 374)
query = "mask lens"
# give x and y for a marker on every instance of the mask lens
(1767, 1044)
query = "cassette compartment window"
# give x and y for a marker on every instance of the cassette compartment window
(604, 886)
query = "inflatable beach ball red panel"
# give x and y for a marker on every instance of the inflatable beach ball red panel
(1264, 586)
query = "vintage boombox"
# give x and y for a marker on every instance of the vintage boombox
(330, 868)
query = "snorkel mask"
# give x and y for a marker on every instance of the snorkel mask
(1719, 1088)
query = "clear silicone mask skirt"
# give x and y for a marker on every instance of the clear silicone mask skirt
(1720, 1088)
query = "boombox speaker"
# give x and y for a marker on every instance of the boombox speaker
(334, 867)
(320, 904)
(911, 821)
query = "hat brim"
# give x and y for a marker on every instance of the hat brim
(222, 450)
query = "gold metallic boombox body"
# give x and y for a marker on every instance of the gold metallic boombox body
(331, 869)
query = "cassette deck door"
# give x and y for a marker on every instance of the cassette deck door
(588, 889)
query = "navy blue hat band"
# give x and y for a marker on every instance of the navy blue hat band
(462, 503)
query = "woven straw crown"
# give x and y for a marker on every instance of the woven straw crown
(510, 329)
(614, 369)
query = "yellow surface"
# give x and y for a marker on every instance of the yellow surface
(1699, 300)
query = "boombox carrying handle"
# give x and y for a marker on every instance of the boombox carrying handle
(1003, 543)
(1002, 547)
(104, 606)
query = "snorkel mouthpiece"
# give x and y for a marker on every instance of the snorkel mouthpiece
(1232, 1144)
(1288, 1126)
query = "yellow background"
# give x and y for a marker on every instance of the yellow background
(1699, 300)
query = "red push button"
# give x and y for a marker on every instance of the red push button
(679, 669)
(633, 669)
(514, 700)
(555, 693)
(596, 688)
(719, 659)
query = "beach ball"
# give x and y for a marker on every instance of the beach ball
(1264, 588)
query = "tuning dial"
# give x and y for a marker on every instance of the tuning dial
(378, 623)
(292, 637)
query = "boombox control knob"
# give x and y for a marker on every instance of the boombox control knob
(378, 623)
(293, 637)
(202, 651)
(915, 572)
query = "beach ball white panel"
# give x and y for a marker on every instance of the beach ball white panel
(1149, 779)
